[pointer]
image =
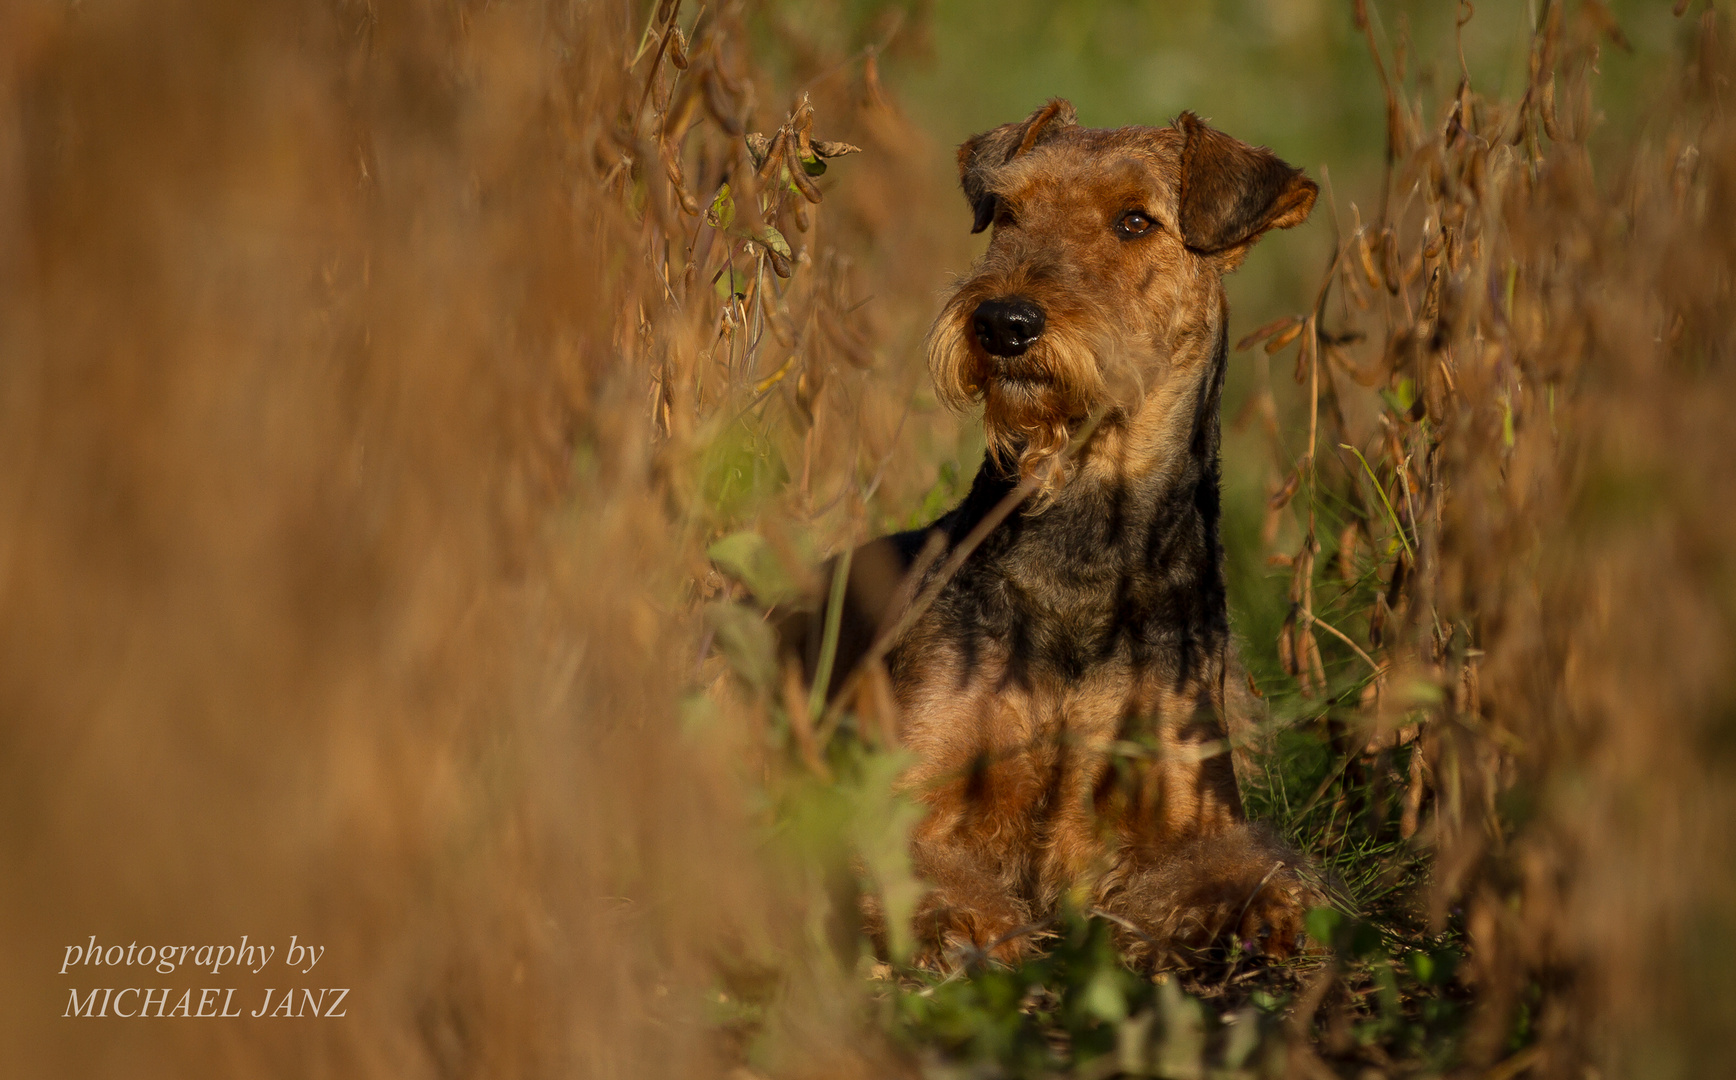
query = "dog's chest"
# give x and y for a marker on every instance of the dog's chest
(1087, 588)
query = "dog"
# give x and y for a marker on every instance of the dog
(1063, 687)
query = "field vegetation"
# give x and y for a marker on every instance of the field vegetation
(404, 409)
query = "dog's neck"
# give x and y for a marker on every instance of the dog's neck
(1140, 509)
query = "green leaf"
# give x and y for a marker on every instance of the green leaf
(730, 282)
(1402, 397)
(746, 557)
(1365, 940)
(1182, 1051)
(1422, 692)
(697, 713)
(739, 468)
(1103, 997)
(774, 240)
(1323, 923)
(1243, 1037)
(722, 212)
(881, 821)
(746, 641)
(1422, 965)
(1434, 967)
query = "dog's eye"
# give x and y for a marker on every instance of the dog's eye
(1004, 219)
(1133, 224)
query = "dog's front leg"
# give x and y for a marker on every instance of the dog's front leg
(1193, 871)
(974, 850)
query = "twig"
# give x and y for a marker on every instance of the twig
(1125, 924)
(829, 639)
(972, 954)
(656, 64)
(890, 635)
(1019, 932)
(1341, 636)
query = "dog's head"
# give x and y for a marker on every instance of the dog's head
(1104, 267)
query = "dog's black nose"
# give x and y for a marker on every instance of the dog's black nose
(1007, 327)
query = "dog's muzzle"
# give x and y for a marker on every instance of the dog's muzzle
(1007, 327)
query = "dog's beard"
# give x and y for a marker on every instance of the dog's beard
(1034, 403)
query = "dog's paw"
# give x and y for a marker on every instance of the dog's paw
(1240, 891)
(952, 935)
(1273, 922)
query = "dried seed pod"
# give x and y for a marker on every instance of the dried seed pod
(1285, 337)
(1373, 376)
(1305, 653)
(780, 264)
(807, 389)
(1471, 175)
(677, 181)
(1546, 97)
(1435, 388)
(798, 174)
(873, 95)
(1287, 491)
(854, 346)
(683, 112)
(1365, 254)
(757, 145)
(777, 252)
(1433, 241)
(1266, 331)
(802, 125)
(1377, 616)
(1305, 355)
(1604, 19)
(1353, 286)
(1413, 796)
(1287, 644)
(1389, 260)
(1395, 588)
(773, 157)
(678, 48)
(720, 101)
(1682, 175)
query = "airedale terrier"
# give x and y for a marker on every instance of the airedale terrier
(1064, 691)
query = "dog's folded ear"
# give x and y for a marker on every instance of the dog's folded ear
(1232, 192)
(981, 155)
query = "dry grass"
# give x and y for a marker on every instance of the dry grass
(350, 431)
(372, 386)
